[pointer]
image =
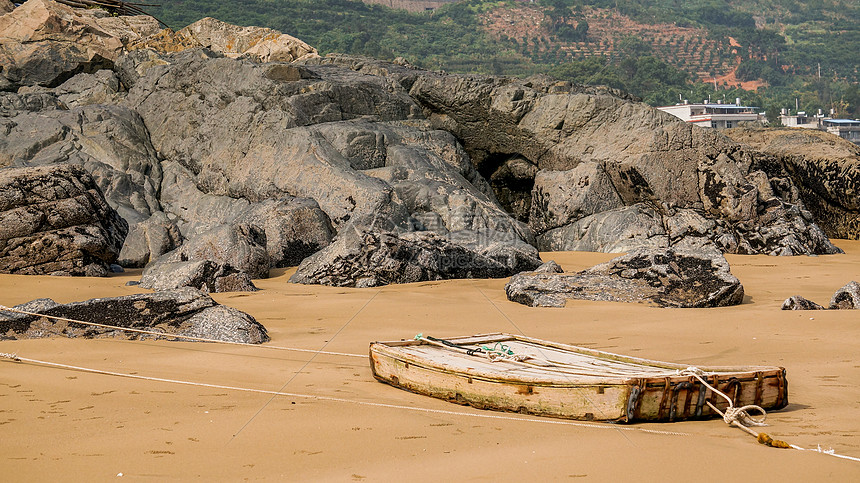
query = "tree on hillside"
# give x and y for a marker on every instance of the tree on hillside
(558, 21)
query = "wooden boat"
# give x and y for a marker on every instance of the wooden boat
(566, 381)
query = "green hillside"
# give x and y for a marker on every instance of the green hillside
(660, 50)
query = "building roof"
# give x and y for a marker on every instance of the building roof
(710, 105)
(736, 106)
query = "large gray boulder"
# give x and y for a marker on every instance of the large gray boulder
(185, 311)
(55, 220)
(204, 275)
(560, 198)
(110, 142)
(824, 169)
(45, 43)
(369, 259)
(295, 228)
(241, 247)
(148, 240)
(662, 277)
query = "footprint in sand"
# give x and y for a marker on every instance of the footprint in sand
(160, 452)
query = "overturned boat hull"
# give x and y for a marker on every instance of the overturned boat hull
(570, 382)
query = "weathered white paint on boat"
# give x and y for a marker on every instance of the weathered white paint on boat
(580, 383)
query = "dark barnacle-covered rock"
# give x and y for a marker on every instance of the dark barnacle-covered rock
(666, 278)
(186, 311)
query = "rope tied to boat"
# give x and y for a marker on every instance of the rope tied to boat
(499, 352)
(732, 414)
(502, 352)
(739, 417)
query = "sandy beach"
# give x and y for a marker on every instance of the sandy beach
(65, 424)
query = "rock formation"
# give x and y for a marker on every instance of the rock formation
(824, 168)
(204, 275)
(797, 302)
(359, 153)
(258, 43)
(186, 311)
(148, 240)
(619, 161)
(846, 298)
(54, 220)
(294, 227)
(216, 130)
(110, 142)
(45, 43)
(663, 277)
(372, 258)
(241, 247)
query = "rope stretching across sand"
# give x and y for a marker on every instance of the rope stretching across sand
(16, 358)
(165, 335)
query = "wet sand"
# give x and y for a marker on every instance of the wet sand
(76, 426)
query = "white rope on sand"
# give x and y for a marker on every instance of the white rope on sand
(16, 358)
(740, 418)
(165, 335)
(733, 416)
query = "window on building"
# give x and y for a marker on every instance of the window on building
(729, 124)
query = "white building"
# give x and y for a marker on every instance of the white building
(848, 129)
(801, 119)
(718, 115)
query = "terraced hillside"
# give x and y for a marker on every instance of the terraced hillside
(772, 53)
(411, 5)
(690, 49)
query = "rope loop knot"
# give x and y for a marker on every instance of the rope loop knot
(732, 415)
(741, 415)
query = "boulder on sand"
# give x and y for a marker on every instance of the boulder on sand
(185, 311)
(241, 246)
(847, 297)
(369, 259)
(204, 275)
(663, 277)
(797, 302)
